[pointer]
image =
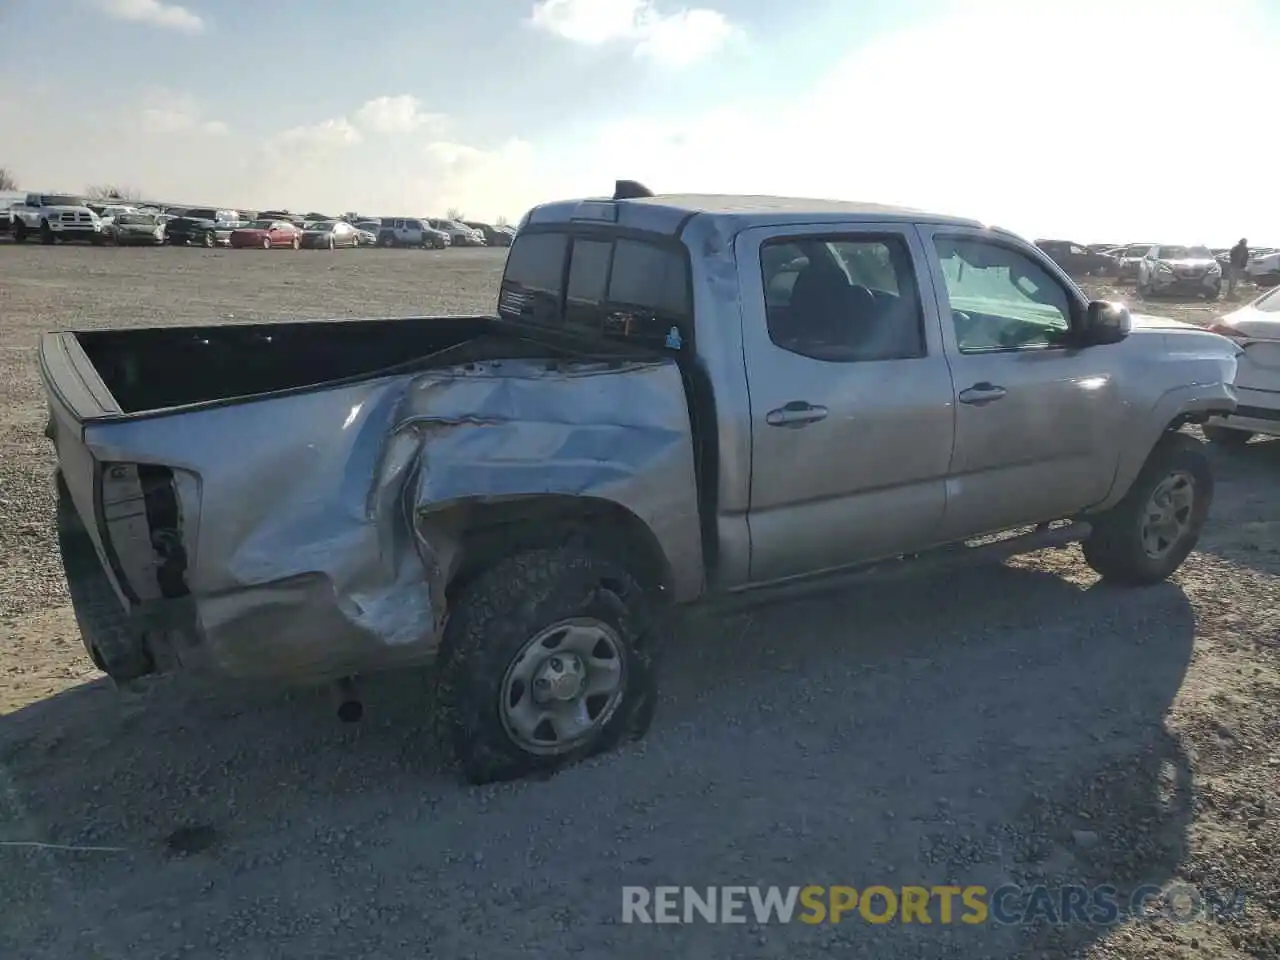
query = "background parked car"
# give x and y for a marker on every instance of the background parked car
(1256, 327)
(330, 234)
(460, 235)
(493, 236)
(1077, 260)
(134, 229)
(1263, 267)
(267, 234)
(1169, 268)
(206, 226)
(405, 232)
(1129, 257)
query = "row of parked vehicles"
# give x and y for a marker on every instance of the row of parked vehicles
(51, 218)
(1163, 268)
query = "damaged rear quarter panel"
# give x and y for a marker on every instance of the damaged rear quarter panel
(315, 555)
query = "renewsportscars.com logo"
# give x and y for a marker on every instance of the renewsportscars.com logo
(971, 905)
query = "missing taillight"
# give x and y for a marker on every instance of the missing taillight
(164, 518)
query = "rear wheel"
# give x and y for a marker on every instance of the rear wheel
(1146, 536)
(1227, 436)
(548, 659)
(333, 244)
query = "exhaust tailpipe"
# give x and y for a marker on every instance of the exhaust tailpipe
(350, 707)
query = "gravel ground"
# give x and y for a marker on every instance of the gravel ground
(1023, 724)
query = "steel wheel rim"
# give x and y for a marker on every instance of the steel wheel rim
(1166, 520)
(563, 686)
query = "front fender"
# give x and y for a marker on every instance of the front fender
(1187, 403)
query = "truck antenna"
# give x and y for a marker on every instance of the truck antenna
(630, 190)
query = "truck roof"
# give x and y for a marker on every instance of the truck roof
(668, 213)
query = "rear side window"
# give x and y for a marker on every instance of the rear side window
(531, 286)
(649, 276)
(622, 288)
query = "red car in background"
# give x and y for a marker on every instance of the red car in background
(267, 234)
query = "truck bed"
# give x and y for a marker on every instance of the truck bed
(136, 371)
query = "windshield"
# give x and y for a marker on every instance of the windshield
(147, 219)
(1184, 253)
(323, 225)
(263, 224)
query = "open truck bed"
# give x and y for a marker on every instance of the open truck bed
(112, 373)
(290, 500)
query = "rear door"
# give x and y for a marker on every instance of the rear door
(1035, 436)
(851, 402)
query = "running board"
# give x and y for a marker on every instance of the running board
(1044, 537)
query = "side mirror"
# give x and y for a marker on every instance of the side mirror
(1105, 321)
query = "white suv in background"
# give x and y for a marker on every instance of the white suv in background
(1263, 268)
(1256, 328)
(408, 232)
(1174, 269)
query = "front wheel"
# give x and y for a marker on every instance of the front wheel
(1146, 536)
(297, 243)
(46, 232)
(266, 243)
(209, 240)
(548, 658)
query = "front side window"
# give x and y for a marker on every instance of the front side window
(1001, 299)
(843, 299)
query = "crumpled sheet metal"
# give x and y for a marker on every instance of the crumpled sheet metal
(315, 552)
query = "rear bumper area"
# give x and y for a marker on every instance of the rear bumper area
(289, 631)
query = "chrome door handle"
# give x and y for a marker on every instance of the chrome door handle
(981, 394)
(797, 413)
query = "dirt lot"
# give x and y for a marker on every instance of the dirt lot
(1017, 724)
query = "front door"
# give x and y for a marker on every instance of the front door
(1035, 418)
(850, 395)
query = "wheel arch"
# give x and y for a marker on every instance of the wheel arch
(1176, 408)
(471, 535)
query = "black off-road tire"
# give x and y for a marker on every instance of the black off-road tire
(1226, 436)
(503, 608)
(1114, 547)
(19, 231)
(46, 233)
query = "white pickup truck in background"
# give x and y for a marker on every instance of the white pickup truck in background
(53, 217)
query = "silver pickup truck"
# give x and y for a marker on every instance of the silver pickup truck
(678, 398)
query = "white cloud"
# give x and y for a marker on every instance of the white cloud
(165, 111)
(170, 16)
(1019, 131)
(326, 135)
(677, 39)
(392, 115)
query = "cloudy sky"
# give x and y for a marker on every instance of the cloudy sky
(1091, 119)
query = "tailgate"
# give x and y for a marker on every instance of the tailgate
(77, 395)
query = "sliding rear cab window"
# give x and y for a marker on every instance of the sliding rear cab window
(614, 287)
